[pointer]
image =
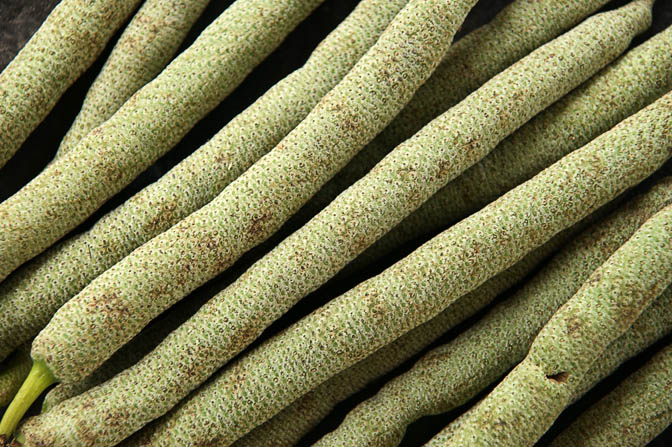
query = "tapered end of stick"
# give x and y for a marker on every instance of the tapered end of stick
(39, 379)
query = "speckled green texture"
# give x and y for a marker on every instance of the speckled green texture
(527, 401)
(118, 303)
(287, 427)
(411, 292)
(147, 44)
(621, 89)
(150, 123)
(31, 295)
(452, 374)
(517, 30)
(631, 415)
(66, 45)
(13, 372)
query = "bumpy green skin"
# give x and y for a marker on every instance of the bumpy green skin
(287, 427)
(527, 401)
(454, 373)
(30, 296)
(633, 414)
(148, 43)
(118, 303)
(517, 30)
(144, 128)
(66, 45)
(621, 89)
(13, 373)
(409, 293)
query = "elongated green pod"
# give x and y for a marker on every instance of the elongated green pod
(452, 374)
(604, 308)
(621, 89)
(147, 44)
(248, 210)
(149, 124)
(409, 293)
(66, 44)
(287, 427)
(631, 415)
(30, 296)
(517, 30)
(13, 373)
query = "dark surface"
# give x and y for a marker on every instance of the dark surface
(19, 19)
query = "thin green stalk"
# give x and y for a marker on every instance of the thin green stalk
(409, 293)
(32, 294)
(631, 415)
(13, 373)
(452, 374)
(31, 85)
(148, 125)
(147, 44)
(39, 379)
(604, 308)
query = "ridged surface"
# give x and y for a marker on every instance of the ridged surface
(416, 289)
(66, 44)
(13, 372)
(147, 44)
(144, 128)
(30, 296)
(452, 374)
(527, 401)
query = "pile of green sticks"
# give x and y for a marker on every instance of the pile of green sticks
(515, 148)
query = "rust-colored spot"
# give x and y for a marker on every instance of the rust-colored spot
(560, 377)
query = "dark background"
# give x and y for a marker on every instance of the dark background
(19, 19)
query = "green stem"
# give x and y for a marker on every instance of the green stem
(39, 378)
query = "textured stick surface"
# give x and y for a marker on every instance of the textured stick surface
(13, 372)
(287, 427)
(631, 415)
(147, 44)
(516, 31)
(66, 45)
(252, 207)
(621, 89)
(527, 401)
(416, 289)
(144, 128)
(31, 295)
(454, 373)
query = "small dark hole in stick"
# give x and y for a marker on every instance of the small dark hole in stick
(559, 377)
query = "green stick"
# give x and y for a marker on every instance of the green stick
(72, 187)
(632, 415)
(148, 43)
(30, 296)
(606, 306)
(32, 83)
(451, 375)
(407, 294)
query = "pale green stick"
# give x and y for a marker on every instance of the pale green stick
(631, 415)
(621, 89)
(253, 206)
(407, 294)
(72, 187)
(13, 373)
(527, 401)
(147, 44)
(31, 295)
(517, 30)
(336, 235)
(451, 375)
(157, 274)
(287, 427)
(66, 44)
